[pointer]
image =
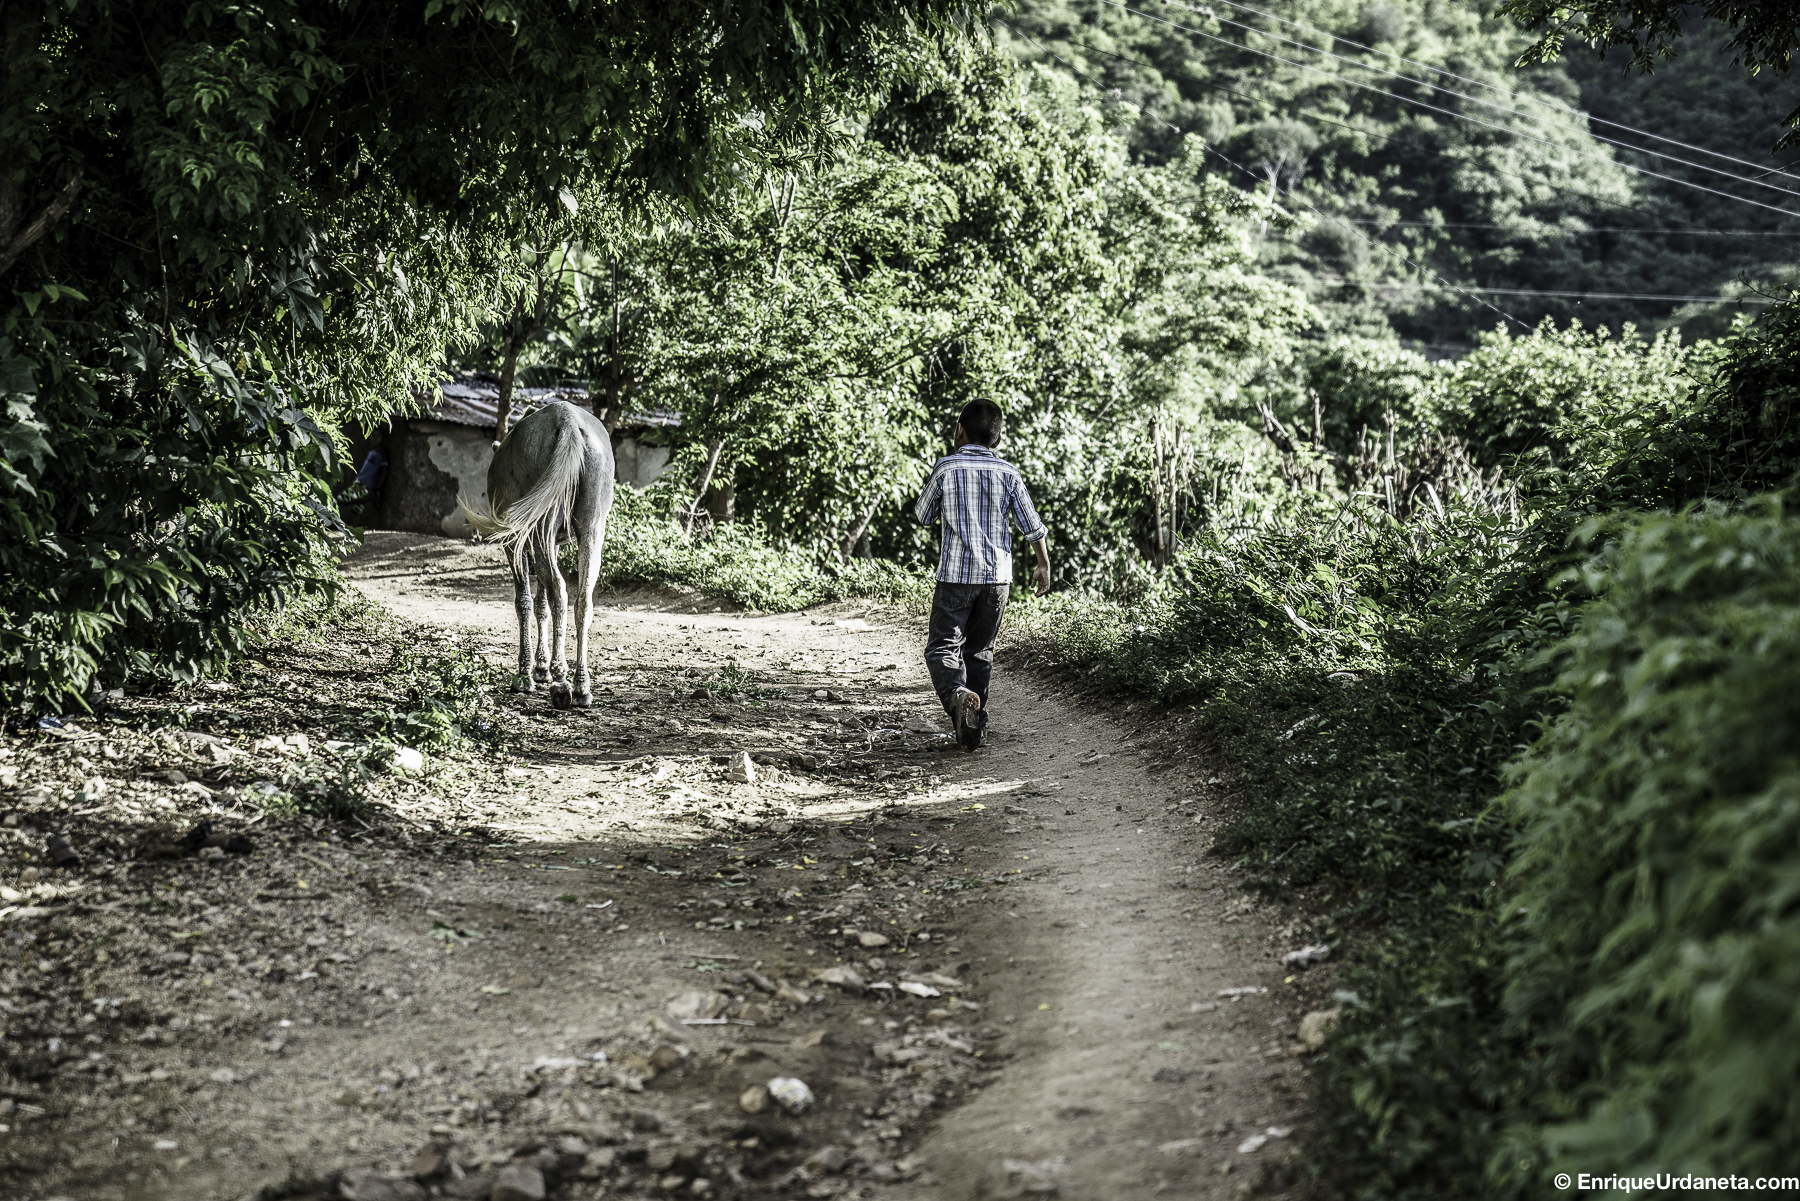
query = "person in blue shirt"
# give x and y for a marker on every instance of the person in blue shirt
(977, 497)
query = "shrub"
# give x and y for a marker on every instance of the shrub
(1360, 380)
(736, 562)
(1516, 397)
(1735, 434)
(1659, 939)
(143, 513)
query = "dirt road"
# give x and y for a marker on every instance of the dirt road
(998, 974)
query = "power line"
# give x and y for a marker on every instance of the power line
(1381, 246)
(1451, 113)
(1512, 94)
(1473, 293)
(1363, 283)
(1218, 87)
(1438, 87)
(1561, 229)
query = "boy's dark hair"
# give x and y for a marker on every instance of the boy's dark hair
(983, 422)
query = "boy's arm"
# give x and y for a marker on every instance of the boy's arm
(930, 501)
(1033, 530)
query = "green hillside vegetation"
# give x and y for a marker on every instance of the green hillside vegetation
(1493, 183)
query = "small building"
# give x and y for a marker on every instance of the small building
(413, 470)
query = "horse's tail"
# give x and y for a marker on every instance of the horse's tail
(532, 522)
(480, 516)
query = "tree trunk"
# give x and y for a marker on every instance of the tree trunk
(508, 368)
(714, 448)
(859, 534)
(615, 383)
(10, 251)
(1156, 489)
(20, 31)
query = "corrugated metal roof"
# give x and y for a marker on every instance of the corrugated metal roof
(471, 399)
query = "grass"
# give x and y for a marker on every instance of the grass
(1360, 743)
(735, 562)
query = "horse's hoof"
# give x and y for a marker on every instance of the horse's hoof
(561, 696)
(523, 685)
(584, 700)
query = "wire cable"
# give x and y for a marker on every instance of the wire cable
(1442, 285)
(1591, 229)
(1364, 283)
(1438, 87)
(1451, 113)
(1381, 246)
(1742, 235)
(1300, 25)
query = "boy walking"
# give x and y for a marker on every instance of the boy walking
(977, 496)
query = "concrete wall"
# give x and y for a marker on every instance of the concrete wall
(637, 464)
(430, 463)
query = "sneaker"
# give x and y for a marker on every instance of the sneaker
(971, 719)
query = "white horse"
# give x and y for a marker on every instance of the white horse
(550, 481)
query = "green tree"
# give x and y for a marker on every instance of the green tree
(228, 227)
(1423, 183)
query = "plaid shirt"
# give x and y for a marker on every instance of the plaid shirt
(974, 491)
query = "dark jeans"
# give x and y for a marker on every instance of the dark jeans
(959, 652)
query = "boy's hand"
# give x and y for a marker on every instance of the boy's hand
(1040, 576)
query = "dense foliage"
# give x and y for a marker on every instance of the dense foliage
(983, 235)
(1430, 165)
(1653, 921)
(226, 228)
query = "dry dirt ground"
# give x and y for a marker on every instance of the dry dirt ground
(580, 963)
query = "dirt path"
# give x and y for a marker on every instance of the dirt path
(998, 974)
(1104, 960)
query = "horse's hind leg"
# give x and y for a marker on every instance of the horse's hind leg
(541, 669)
(522, 603)
(556, 592)
(587, 574)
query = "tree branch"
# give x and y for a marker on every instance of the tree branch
(52, 213)
(713, 450)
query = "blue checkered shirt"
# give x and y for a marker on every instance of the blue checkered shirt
(975, 491)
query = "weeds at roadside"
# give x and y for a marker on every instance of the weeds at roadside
(1358, 744)
(736, 562)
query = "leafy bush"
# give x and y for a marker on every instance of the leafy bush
(1733, 435)
(1523, 396)
(736, 562)
(143, 509)
(1657, 933)
(1360, 380)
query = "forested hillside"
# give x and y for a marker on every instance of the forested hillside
(1447, 190)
